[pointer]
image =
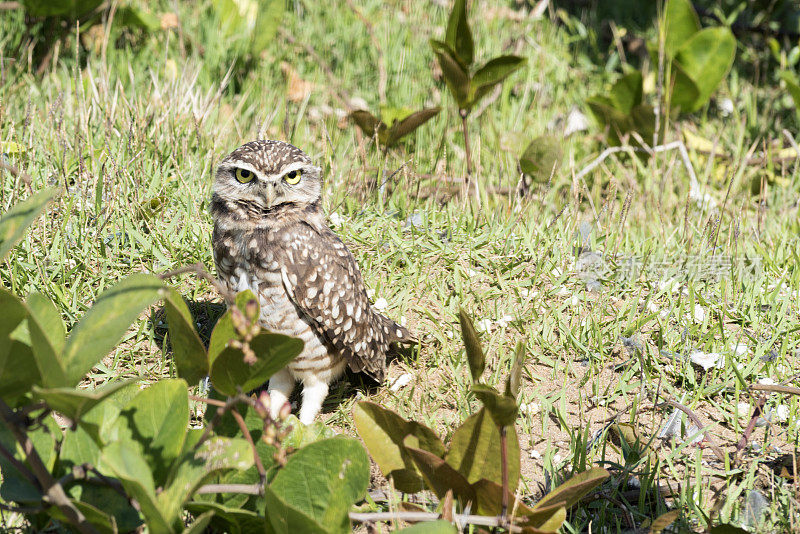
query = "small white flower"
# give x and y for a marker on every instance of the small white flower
(524, 292)
(576, 121)
(562, 291)
(483, 325)
(370, 293)
(530, 408)
(699, 313)
(782, 412)
(535, 455)
(556, 272)
(740, 349)
(380, 304)
(401, 381)
(472, 273)
(504, 320)
(725, 107)
(670, 285)
(766, 381)
(557, 459)
(335, 219)
(575, 300)
(706, 360)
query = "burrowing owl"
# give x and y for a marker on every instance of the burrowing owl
(270, 237)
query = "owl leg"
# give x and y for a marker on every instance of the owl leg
(280, 387)
(314, 393)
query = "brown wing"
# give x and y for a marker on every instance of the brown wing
(324, 282)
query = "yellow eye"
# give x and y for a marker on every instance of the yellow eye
(244, 176)
(293, 177)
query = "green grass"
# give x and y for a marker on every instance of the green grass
(133, 136)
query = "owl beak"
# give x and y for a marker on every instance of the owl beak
(269, 194)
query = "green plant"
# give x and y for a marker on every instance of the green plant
(468, 84)
(622, 111)
(480, 465)
(124, 460)
(393, 123)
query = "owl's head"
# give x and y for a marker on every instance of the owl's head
(260, 177)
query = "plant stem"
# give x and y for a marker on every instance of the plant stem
(504, 469)
(464, 113)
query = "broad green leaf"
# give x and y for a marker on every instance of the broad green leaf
(188, 351)
(409, 124)
(100, 421)
(15, 221)
(194, 468)
(455, 76)
(684, 91)
(273, 352)
(475, 450)
(493, 72)
(574, 489)
(73, 403)
(627, 92)
(230, 519)
(17, 371)
(440, 476)
(128, 16)
(109, 500)
(368, 122)
(10, 147)
(267, 21)
(106, 322)
(223, 331)
(458, 36)
(706, 59)
(502, 408)
(78, 448)
(317, 487)
(393, 114)
(384, 433)
(302, 435)
(472, 344)
(430, 527)
(50, 8)
(15, 486)
(157, 420)
(127, 464)
(542, 158)
(680, 23)
(793, 87)
(47, 339)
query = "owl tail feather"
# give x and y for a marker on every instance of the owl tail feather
(397, 333)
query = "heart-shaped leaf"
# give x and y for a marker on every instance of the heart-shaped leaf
(475, 450)
(15, 221)
(440, 477)
(541, 158)
(273, 352)
(493, 72)
(680, 24)
(126, 462)
(314, 491)
(409, 124)
(188, 351)
(231, 519)
(367, 122)
(73, 403)
(627, 92)
(544, 520)
(472, 344)
(106, 322)
(47, 339)
(455, 75)
(384, 433)
(574, 489)
(706, 59)
(458, 35)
